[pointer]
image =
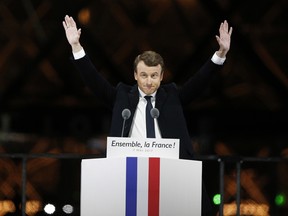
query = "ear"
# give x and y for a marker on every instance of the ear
(135, 75)
(161, 76)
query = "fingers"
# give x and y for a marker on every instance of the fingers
(64, 25)
(68, 22)
(223, 27)
(230, 31)
(224, 30)
(217, 38)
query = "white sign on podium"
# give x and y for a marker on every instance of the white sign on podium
(148, 147)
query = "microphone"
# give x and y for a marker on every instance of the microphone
(154, 112)
(125, 115)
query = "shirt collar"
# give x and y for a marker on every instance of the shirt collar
(142, 94)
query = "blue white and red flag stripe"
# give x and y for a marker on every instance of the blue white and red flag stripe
(142, 186)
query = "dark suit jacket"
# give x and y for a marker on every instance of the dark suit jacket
(169, 101)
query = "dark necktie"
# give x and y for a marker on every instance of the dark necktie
(150, 130)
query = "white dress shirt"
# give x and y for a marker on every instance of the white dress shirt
(138, 127)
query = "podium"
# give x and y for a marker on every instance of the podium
(140, 186)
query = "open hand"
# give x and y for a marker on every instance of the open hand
(72, 33)
(224, 39)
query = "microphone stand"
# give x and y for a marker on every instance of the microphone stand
(123, 127)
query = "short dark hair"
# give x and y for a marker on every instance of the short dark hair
(150, 58)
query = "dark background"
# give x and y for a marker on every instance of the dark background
(46, 108)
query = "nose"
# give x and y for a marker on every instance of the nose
(149, 80)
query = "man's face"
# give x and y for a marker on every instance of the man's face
(148, 78)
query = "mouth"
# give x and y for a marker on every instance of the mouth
(149, 87)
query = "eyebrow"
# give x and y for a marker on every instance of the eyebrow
(155, 72)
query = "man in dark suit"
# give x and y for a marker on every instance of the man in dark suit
(148, 72)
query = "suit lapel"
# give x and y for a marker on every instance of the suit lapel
(133, 102)
(133, 98)
(161, 96)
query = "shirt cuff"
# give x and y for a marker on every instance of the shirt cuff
(79, 54)
(217, 60)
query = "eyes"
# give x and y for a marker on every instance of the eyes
(144, 75)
